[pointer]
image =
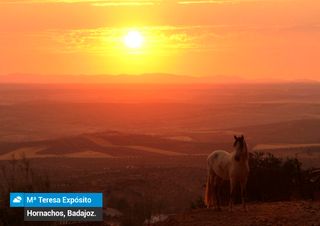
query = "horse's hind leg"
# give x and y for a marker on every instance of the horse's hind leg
(209, 193)
(217, 186)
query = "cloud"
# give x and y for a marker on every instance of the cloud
(158, 39)
(93, 2)
(109, 40)
(306, 28)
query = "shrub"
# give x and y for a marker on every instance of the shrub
(272, 178)
(19, 176)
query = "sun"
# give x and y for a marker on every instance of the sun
(133, 40)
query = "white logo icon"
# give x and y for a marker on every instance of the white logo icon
(17, 199)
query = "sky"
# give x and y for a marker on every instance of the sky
(251, 39)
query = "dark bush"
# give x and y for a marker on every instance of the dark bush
(272, 178)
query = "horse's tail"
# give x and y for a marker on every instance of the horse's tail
(209, 192)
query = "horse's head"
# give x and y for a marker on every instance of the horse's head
(240, 147)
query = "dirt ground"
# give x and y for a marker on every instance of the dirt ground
(266, 214)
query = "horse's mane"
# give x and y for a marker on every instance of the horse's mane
(242, 143)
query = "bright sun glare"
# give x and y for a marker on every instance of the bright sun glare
(133, 40)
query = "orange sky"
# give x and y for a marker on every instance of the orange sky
(253, 39)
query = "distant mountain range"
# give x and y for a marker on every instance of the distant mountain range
(158, 78)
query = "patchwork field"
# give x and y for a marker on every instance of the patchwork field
(152, 151)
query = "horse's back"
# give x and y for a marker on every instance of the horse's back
(219, 163)
(219, 155)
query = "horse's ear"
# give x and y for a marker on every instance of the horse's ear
(242, 137)
(235, 137)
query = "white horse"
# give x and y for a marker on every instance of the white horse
(232, 166)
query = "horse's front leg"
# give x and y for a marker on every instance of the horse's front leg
(243, 186)
(232, 193)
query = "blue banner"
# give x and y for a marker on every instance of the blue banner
(56, 200)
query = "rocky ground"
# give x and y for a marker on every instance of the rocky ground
(299, 213)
